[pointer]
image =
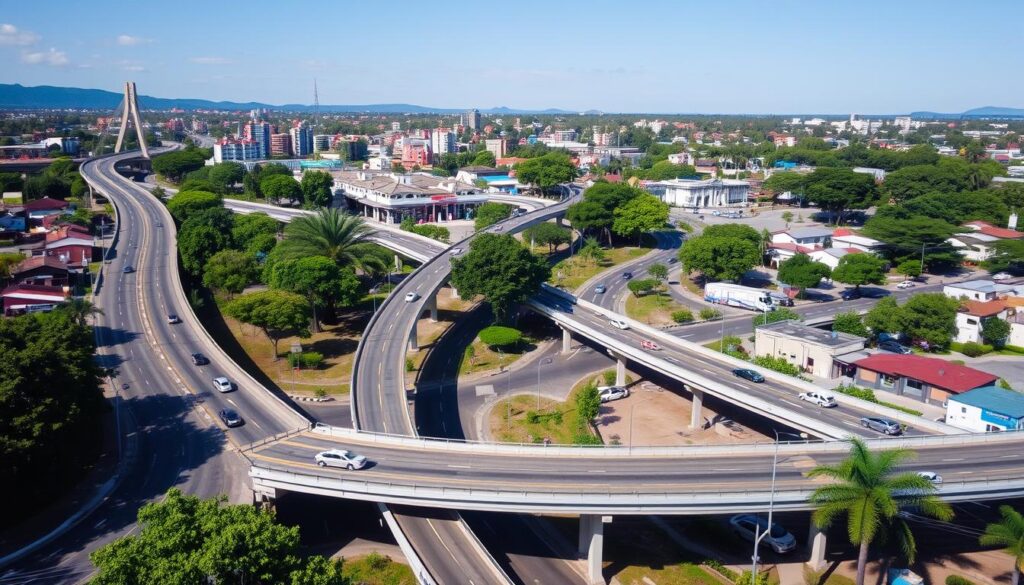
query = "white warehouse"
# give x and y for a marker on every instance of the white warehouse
(702, 193)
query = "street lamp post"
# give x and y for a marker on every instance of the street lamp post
(771, 505)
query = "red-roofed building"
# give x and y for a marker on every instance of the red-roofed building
(45, 206)
(41, 270)
(29, 298)
(922, 378)
(973, 315)
(70, 243)
(996, 232)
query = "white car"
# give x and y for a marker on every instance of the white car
(410, 297)
(609, 393)
(1002, 276)
(173, 319)
(222, 384)
(619, 324)
(340, 458)
(931, 476)
(906, 284)
(822, 399)
(456, 251)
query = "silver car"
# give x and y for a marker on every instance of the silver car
(609, 393)
(222, 384)
(340, 458)
(746, 525)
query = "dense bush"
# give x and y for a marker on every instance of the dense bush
(708, 314)
(778, 364)
(972, 349)
(857, 392)
(500, 336)
(958, 580)
(682, 316)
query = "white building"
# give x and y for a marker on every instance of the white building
(972, 316)
(704, 193)
(986, 410)
(680, 158)
(808, 236)
(811, 349)
(442, 141)
(237, 150)
(862, 243)
(981, 290)
(831, 256)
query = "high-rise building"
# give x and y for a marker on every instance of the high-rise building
(396, 126)
(236, 150)
(280, 144)
(442, 141)
(497, 146)
(259, 132)
(473, 119)
(302, 140)
(322, 142)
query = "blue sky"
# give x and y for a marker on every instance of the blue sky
(634, 56)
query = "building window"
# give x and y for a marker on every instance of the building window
(888, 381)
(915, 384)
(963, 410)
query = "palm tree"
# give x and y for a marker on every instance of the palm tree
(1009, 534)
(870, 492)
(80, 310)
(343, 238)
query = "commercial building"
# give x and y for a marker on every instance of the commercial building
(19, 299)
(280, 144)
(259, 132)
(472, 119)
(302, 140)
(390, 197)
(985, 410)
(499, 147)
(922, 378)
(322, 142)
(812, 350)
(237, 150)
(442, 141)
(700, 194)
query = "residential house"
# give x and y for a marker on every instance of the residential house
(706, 167)
(46, 206)
(809, 236)
(978, 245)
(41, 270)
(844, 238)
(812, 350)
(986, 410)
(981, 290)
(28, 298)
(922, 378)
(972, 316)
(831, 256)
(71, 243)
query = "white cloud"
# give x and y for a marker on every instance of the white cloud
(12, 35)
(131, 41)
(211, 60)
(51, 57)
(135, 67)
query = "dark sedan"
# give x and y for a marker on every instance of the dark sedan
(231, 418)
(748, 375)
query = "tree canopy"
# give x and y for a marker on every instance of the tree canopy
(343, 238)
(276, 313)
(546, 171)
(491, 213)
(230, 271)
(839, 190)
(322, 282)
(858, 269)
(250, 229)
(186, 203)
(641, 214)
(547, 234)
(183, 539)
(317, 188)
(802, 272)
(175, 165)
(280, 187)
(719, 258)
(501, 269)
(851, 323)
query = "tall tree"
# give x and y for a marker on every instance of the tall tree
(546, 171)
(280, 187)
(719, 258)
(906, 235)
(1008, 533)
(183, 539)
(491, 213)
(247, 228)
(230, 271)
(186, 203)
(343, 238)
(501, 269)
(929, 317)
(175, 165)
(226, 175)
(870, 492)
(858, 269)
(317, 188)
(640, 215)
(884, 317)
(324, 284)
(851, 323)
(838, 190)
(276, 313)
(547, 234)
(802, 272)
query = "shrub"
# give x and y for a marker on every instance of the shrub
(958, 580)
(777, 364)
(377, 561)
(709, 314)
(972, 349)
(320, 392)
(1014, 349)
(856, 392)
(683, 316)
(499, 336)
(744, 579)
(722, 569)
(409, 365)
(312, 359)
(533, 417)
(609, 377)
(294, 359)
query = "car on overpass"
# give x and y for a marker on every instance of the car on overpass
(822, 399)
(411, 296)
(222, 384)
(340, 458)
(199, 359)
(749, 527)
(618, 323)
(748, 374)
(930, 476)
(882, 425)
(128, 269)
(231, 418)
(600, 289)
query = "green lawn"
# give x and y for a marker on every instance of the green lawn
(572, 272)
(376, 569)
(653, 309)
(557, 420)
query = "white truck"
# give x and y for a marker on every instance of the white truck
(734, 295)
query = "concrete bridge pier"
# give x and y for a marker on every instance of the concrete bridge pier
(591, 545)
(697, 414)
(620, 368)
(817, 543)
(431, 305)
(414, 344)
(566, 340)
(455, 293)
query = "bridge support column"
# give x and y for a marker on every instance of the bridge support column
(816, 542)
(431, 305)
(697, 412)
(620, 370)
(566, 340)
(591, 545)
(455, 293)
(414, 344)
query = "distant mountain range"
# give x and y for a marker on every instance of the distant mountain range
(50, 97)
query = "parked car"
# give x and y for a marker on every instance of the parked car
(231, 418)
(822, 399)
(199, 359)
(1002, 276)
(893, 346)
(410, 297)
(128, 269)
(222, 384)
(905, 284)
(340, 458)
(609, 393)
(749, 527)
(882, 425)
(619, 324)
(627, 275)
(931, 476)
(600, 289)
(850, 294)
(173, 319)
(747, 374)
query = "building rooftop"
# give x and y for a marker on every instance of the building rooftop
(34, 262)
(804, 332)
(983, 308)
(997, 232)
(809, 232)
(1000, 400)
(698, 183)
(936, 372)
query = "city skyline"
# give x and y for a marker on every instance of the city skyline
(661, 57)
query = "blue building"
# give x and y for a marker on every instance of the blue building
(985, 410)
